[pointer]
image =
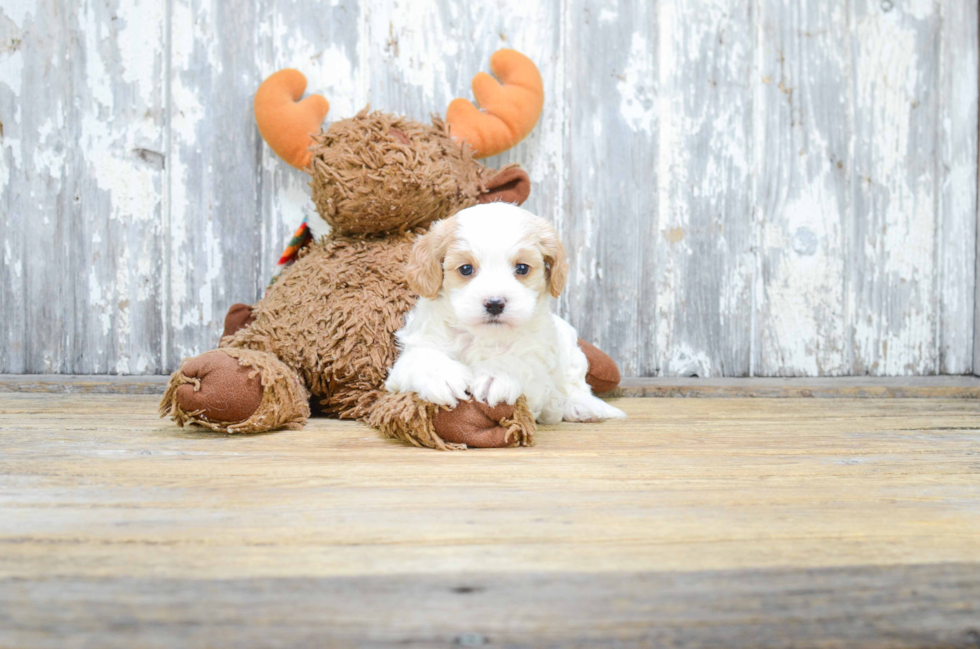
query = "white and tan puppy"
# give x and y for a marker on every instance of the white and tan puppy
(483, 327)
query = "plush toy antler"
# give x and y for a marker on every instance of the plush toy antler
(286, 123)
(507, 112)
(506, 115)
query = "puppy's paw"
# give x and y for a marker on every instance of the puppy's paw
(447, 389)
(582, 406)
(494, 389)
(442, 383)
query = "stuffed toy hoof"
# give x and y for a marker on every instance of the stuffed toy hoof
(236, 391)
(473, 423)
(405, 417)
(603, 375)
(216, 387)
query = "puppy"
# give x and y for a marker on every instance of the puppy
(483, 326)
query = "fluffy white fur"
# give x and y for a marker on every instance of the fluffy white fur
(452, 346)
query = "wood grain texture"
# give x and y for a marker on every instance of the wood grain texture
(774, 188)
(695, 522)
(896, 111)
(215, 242)
(84, 383)
(859, 387)
(838, 387)
(82, 101)
(959, 67)
(705, 261)
(611, 191)
(36, 189)
(803, 201)
(853, 607)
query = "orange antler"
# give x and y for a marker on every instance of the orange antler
(507, 112)
(284, 122)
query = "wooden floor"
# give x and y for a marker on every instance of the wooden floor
(696, 522)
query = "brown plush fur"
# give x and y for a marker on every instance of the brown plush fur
(367, 180)
(327, 325)
(332, 316)
(405, 417)
(477, 424)
(284, 402)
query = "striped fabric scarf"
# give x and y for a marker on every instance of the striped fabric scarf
(300, 239)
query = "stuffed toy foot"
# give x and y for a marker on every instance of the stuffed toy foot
(236, 391)
(476, 424)
(405, 417)
(603, 375)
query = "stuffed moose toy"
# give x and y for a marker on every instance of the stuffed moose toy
(326, 326)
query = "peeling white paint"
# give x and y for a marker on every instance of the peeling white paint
(894, 332)
(412, 55)
(49, 157)
(15, 266)
(186, 117)
(637, 97)
(98, 79)
(684, 360)
(143, 51)
(899, 298)
(18, 12)
(11, 78)
(804, 292)
(328, 72)
(12, 66)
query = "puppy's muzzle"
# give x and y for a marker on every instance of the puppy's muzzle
(494, 305)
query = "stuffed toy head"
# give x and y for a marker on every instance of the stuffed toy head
(377, 173)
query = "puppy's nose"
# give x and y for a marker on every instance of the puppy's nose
(494, 306)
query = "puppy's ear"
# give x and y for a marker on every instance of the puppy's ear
(424, 272)
(554, 256)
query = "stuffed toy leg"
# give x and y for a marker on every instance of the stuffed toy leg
(407, 418)
(403, 416)
(245, 391)
(236, 390)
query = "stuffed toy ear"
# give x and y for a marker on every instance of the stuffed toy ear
(510, 185)
(507, 112)
(285, 123)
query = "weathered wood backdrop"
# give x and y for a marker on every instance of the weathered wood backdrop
(768, 187)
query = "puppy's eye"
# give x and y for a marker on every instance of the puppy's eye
(465, 270)
(522, 269)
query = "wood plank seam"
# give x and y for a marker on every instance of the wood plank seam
(950, 387)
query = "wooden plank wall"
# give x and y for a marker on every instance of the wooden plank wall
(767, 187)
